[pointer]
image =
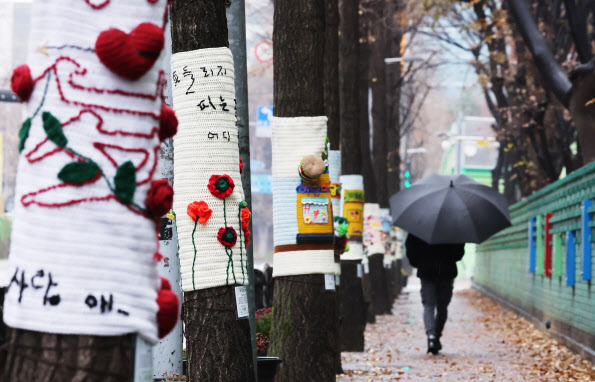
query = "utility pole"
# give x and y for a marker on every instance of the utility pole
(236, 25)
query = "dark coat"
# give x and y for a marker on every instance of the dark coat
(438, 261)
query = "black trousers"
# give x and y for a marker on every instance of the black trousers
(435, 297)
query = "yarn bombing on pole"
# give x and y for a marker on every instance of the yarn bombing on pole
(214, 236)
(302, 211)
(89, 144)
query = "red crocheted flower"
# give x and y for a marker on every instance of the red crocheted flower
(241, 165)
(160, 197)
(21, 82)
(199, 210)
(221, 186)
(245, 214)
(247, 234)
(227, 236)
(168, 123)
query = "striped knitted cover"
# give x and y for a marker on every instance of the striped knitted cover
(84, 241)
(211, 217)
(302, 212)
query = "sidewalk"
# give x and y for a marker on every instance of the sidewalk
(482, 342)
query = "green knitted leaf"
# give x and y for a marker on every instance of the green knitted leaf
(24, 133)
(125, 182)
(53, 129)
(78, 172)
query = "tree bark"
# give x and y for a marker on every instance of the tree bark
(393, 102)
(351, 158)
(302, 332)
(353, 311)
(368, 297)
(218, 345)
(378, 51)
(364, 102)
(46, 357)
(331, 109)
(380, 298)
(331, 72)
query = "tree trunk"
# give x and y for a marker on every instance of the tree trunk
(353, 311)
(302, 332)
(393, 101)
(331, 109)
(331, 72)
(364, 102)
(368, 297)
(380, 298)
(351, 158)
(46, 357)
(378, 51)
(353, 314)
(218, 345)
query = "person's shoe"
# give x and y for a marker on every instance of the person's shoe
(438, 344)
(433, 345)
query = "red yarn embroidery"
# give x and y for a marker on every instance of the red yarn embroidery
(97, 6)
(54, 68)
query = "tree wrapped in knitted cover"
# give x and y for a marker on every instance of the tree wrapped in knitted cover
(84, 241)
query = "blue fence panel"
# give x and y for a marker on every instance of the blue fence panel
(570, 258)
(532, 249)
(586, 240)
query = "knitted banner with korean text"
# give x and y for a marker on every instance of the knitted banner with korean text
(302, 211)
(84, 241)
(211, 215)
(352, 202)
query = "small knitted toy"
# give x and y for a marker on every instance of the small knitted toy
(311, 167)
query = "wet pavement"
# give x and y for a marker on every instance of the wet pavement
(481, 342)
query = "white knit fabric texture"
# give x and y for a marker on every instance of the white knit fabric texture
(373, 238)
(352, 182)
(334, 168)
(85, 266)
(292, 139)
(206, 145)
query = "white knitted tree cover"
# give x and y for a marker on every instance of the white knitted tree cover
(292, 139)
(373, 238)
(83, 241)
(352, 208)
(207, 145)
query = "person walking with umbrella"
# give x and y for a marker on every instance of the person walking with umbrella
(441, 213)
(436, 269)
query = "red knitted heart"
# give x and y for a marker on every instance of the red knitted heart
(130, 55)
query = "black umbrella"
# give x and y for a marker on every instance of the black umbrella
(450, 209)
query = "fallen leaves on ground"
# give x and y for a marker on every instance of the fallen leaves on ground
(482, 342)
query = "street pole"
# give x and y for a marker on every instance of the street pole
(236, 26)
(167, 354)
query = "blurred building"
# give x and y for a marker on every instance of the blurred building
(470, 148)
